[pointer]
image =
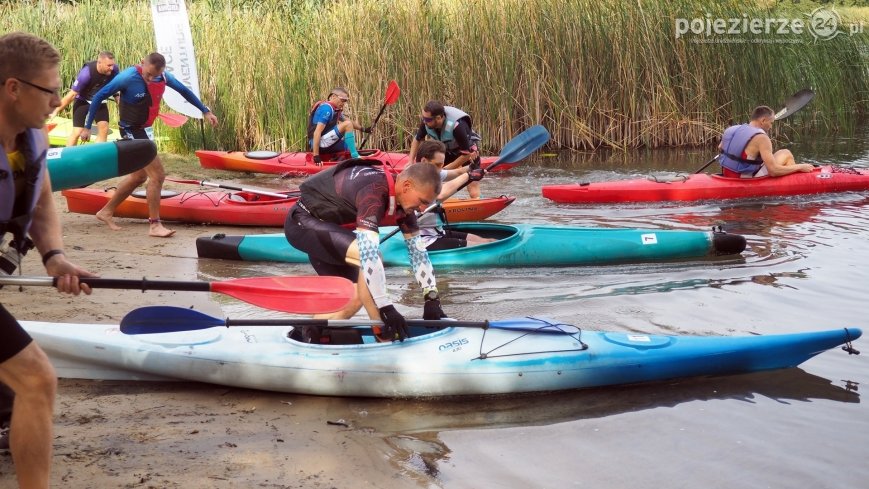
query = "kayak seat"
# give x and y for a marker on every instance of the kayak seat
(318, 335)
(164, 194)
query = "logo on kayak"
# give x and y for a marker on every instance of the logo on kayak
(53, 153)
(649, 239)
(453, 345)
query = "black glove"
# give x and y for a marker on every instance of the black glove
(476, 174)
(475, 164)
(394, 324)
(366, 129)
(318, 161)
(432, 310)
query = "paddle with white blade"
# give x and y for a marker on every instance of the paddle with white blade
(168, 319)
(203, 183)
(294, 294)
(792, 105)
(516, 150)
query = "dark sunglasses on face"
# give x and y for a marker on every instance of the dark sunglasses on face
(426, 120)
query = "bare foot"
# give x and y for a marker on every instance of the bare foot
(106, 217)
(158, 231)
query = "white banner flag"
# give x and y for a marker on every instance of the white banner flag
(172, 31)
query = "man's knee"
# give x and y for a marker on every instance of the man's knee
(345, 126)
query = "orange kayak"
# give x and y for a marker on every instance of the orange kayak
(243, 208)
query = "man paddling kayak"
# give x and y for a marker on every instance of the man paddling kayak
(746, 150)
(29, 86)
(141, 88)
(359, 191)
(431, 224)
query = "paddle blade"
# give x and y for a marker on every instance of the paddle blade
(298, 295)
(173, 120)
(522, 145)
(166, 319)
(392, 93)
(796, 102)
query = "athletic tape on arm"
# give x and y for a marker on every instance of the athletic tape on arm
(420, 263)
(372, 267)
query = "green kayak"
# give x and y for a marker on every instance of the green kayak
(519, 245)
(82, 165)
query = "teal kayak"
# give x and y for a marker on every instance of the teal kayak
(518, 245)
(78, 166)
(438, 359)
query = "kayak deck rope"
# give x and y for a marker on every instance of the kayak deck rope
(845, 169)
(208, 194)
(847, 347)
(546, 327)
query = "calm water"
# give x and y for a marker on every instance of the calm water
(805, 269)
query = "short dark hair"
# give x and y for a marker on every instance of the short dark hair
(428, 148)
(422, 174)
(23, 55)
(435, 108)
(156, 59)
(761, 111)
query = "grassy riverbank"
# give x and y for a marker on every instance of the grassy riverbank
(597, 74)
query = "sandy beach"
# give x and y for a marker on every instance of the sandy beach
(149, 434)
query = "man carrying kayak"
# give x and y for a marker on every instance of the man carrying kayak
(359, 192)
(141, 88)
(452, 127)
(29, 86)
(746, 150)
(431, 224)
(329, 130)
(93, 76)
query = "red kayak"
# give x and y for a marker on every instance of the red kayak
(704, 186)
(302, 163)
(243, 208)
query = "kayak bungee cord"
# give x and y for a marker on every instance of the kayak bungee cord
(556, 328)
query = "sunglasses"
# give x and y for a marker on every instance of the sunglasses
(426, 119)
(55, 92)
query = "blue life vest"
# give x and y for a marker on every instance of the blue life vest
(452, 118)
(733, 144)
(34, 151)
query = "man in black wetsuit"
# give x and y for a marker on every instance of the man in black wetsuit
(359, 192)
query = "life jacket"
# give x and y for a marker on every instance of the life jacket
(733, 143)
(98, 81)
(336, 117)
(452, 118)
(34, 150)
(321, 199)
(143, 112)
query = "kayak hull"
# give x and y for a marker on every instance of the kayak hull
(62, 127)
(301, 163)
(77, 166)
(243, 208)
(517, 246)
(504, 359)
(703, 186)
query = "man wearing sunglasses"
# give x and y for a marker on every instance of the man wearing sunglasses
(329, 130)
(29, 86)
(452, 127)
(93, 76)
(141, 89)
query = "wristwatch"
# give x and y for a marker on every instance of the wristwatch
(431, 295)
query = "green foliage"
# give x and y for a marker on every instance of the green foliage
(597, 74)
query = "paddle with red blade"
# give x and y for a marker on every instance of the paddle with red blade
(173, 120)
(168, 319)
(203, 183)
(294, 294)
(392, 93)
(516, 150)
(792, 105)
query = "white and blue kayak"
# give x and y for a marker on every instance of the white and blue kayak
(518, 245)
(497, 357)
